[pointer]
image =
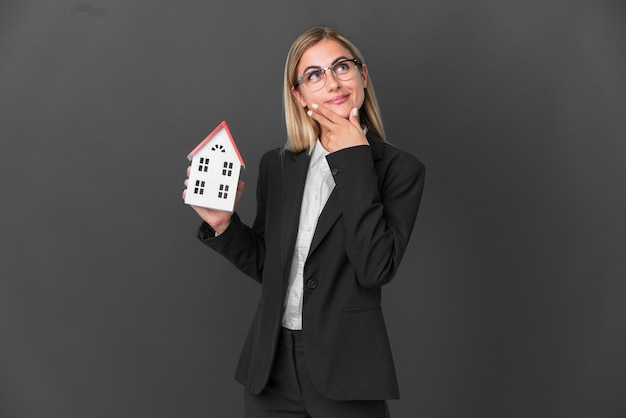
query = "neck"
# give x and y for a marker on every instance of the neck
(324, 137)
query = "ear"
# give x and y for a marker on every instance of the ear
(296, 94)
(364, 75)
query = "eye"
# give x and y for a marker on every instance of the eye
(342, 67)
(313, 76)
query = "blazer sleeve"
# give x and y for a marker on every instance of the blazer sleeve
(240, 244)
(379, 201)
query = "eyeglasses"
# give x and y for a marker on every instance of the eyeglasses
(315, 78)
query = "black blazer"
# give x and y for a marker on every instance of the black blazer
(361, 236)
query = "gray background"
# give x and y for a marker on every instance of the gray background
(510, 301)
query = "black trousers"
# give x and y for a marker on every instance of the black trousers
(290, 392)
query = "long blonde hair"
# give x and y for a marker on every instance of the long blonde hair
(302, 131)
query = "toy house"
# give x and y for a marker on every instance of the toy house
(215, 167)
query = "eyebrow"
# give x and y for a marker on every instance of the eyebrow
(317, 67)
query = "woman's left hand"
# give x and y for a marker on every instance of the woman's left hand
(338, 132)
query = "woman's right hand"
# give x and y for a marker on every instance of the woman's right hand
(218, 219)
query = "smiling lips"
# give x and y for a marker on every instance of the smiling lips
(337, 100)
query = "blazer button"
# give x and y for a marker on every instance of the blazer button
(334, 171)
(311, 284)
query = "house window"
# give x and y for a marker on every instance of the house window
(223, 193)
(228, 169)
(199, 189)
(204, 164)
(218, 147)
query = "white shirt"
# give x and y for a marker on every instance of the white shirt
(317, 188)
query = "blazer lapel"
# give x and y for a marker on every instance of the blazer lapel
(294, 171)
(327, 219)
(332, 211)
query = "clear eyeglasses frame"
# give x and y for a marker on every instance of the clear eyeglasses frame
(315, 78)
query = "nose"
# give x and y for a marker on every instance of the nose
(332, 82)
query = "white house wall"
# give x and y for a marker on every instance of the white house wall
(214, 185)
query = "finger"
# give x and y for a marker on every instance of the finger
(327, 113)
(188, 171)
(184, 193)
(319, 118)
(324, 118)
(354, 118)
(240, 188)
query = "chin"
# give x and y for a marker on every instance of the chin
(344, 112)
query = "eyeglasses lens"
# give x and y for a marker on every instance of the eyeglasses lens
(342, 70)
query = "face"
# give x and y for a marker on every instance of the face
(338, 95)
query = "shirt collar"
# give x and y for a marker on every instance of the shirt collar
(318, 152)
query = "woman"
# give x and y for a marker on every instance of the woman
(335, 209)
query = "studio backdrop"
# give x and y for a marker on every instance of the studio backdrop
(510, 299)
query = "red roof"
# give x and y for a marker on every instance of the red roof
(211, 135)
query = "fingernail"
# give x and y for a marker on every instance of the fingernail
(355, 111)
(314, 105)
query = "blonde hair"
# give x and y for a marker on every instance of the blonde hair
(302, 131)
